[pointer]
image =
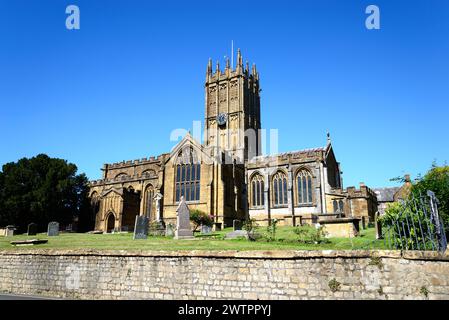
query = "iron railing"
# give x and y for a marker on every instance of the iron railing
(417, 226)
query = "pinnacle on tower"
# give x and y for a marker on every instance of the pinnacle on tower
(217, 68)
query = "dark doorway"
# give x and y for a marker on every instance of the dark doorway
(111, 223)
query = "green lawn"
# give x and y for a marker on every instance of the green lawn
(286, 240)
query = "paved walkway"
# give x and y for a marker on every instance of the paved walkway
(24, 297)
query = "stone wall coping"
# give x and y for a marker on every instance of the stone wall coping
(269, 254)
(233, 254)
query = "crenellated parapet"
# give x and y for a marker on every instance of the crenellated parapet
(130, 163)
(306, 155)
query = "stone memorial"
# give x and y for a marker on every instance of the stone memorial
(10, 231)
(183, 229)
(378, 225)
(237, 234)
(169, 230)
(217, 226)
(157, 198)
(53, 229)
(141, 227)
(237, 225)
(32, 229)
(206, 230)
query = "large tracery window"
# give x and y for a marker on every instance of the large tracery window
(188, 171)
(257, 191)
(304, 187)
(280, 189)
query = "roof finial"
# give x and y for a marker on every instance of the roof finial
(328, 137)
(218, 67)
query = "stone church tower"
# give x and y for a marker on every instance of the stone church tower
(232, 113)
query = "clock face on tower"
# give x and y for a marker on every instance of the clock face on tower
(221, 119)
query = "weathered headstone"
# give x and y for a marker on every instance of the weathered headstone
(32, 229)
(237, 224)
(53, 229)
(206, 229)
(141, 227)
(378, 226)
(217, 226)
(183, 229)
(10, 231)
(169, 230)
(237, 234)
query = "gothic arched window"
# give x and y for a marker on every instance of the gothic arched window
(280, 189)
(257, 191)
(187, 176)
(148, 198)
(304, 187)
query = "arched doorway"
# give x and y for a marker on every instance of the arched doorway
(110, 223)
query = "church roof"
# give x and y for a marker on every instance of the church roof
(386, 194)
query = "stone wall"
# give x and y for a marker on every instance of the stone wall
(225, 274)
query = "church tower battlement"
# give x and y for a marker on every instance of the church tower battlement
(232, 106)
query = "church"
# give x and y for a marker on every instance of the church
(227, 177)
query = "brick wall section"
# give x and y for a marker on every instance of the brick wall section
(225, 274)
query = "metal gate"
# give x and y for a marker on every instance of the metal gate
(417, 225)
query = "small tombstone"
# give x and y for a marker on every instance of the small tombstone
(141, 227)
(378, 226)
(206, 230)
(10, 231)
(32, 229)
(53, 229)
(169, 230)
(237, 224)
(183, 229)
(364, 223)
(217, 226)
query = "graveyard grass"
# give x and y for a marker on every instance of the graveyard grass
(286, 239)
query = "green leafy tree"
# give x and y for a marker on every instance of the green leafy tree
(199, 217)
(42, 189)
(436, 180)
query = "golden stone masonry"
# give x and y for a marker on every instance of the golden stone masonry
(227, 177)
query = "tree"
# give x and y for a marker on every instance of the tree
(436, 180)
(41, 189)
(199, 217)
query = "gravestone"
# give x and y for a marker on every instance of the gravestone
(141, 228)
(206, 229)
(217, 226)
(237, 234)
(53, 229)
(169, 230)
(183, 229)
(10, 231)
(237, 224)
(378, 226)
(32, 229)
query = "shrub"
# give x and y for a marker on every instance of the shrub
(251, 226)
(199, 217)
(311, 234)
(271, 229)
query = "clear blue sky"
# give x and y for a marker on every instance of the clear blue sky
(116, 88)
